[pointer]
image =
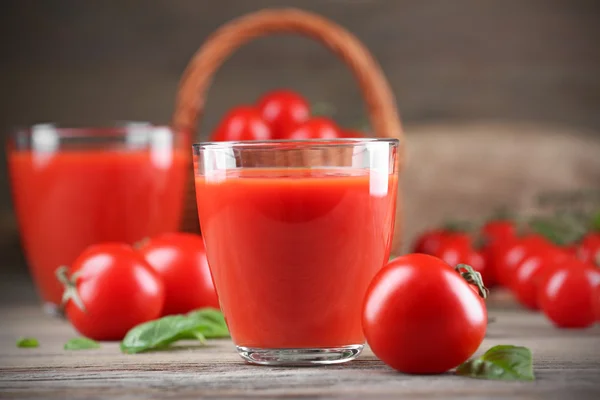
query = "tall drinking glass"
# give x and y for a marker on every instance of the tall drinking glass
(294, 233)
(76, 187)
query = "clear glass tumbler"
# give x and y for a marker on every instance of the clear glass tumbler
(73, 187)
(294, 233)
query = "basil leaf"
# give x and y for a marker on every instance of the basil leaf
(161, 333)
(213, 323)
(503, 362)
(27, 342)
(81, 343)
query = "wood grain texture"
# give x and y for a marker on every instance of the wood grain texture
(567, 365)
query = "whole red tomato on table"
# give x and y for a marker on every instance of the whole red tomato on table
(457, 248)
(315, 128)
(498, 230)
(566, 293)
(420, 315)
(509, 257)
(589, 249)
(283, 110)
(242, 123)
(109, 289)
(180, 261)
(429, 241)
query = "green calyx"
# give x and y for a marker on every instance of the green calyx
(472, 277)
(69, 283)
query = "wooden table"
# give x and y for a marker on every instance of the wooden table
(567, 365)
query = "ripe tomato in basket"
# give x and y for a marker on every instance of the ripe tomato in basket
(315, 128)
(283, 110)
(242, 123)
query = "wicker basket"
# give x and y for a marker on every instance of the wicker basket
(220, 45)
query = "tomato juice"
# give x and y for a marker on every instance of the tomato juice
(292, 251)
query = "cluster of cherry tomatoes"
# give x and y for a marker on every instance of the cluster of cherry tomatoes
(561, 281)
(278, 114)
(112, 287)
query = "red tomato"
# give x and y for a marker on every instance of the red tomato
(596, 301)
(111, 289)
(498, 230)
(242, 123)
(457, 248)
(511, 255)
(566, 293)
(180, 260)
(421, 317)
(351, 134)
(315, 128)
(429, 242)
(530, 269)
(589, 250)
(283, 110)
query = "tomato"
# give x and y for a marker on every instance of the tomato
(530, 269)
(242, 123)
(351, 134)
(498, 230)
(109, 289)
(511, 255)
(457, 248)
(429, 242)
(566, 293)
(180, 260)
(421, 317)
(283, 110)
(589, 250)
(315, 128)
(596, 302)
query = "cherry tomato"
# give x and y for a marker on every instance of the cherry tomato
(589, 250)
(429, 242)
(596, 301)
(566, 293)
(242, 123)
(180, 261)
(283, 110)
(457, 248)
(511, 255)
(315, 128)
(420, 316)
(351, 134)
(498, 230)
(110, 289)
(530, 269)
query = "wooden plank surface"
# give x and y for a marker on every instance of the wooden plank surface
(567, 365)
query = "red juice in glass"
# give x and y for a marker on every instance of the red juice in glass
(76, 187)
(294, 233)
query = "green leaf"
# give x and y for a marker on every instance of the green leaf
(27, 342)
(503, 362)
(81, 343)
(158, 334)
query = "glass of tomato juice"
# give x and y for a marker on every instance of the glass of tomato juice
(294, 233)
(73, 187)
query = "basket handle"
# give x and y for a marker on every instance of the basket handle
(218, 47)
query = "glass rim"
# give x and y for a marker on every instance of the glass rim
(275, 143)
(82, 132)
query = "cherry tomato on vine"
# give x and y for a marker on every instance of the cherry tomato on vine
(110, 289)
(457, 248)
(283, 110)
(527, 274)
(315, 128)
(429, 242)
(421, 316)
(180, 261)
(589, 249)
(566, 293)
(242, 123)
(511, 255)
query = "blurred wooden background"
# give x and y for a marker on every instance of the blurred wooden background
(500, 98)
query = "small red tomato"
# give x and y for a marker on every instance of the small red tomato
(457, 248)
(430, 241)
(589, 250)
(315, 128)
(530, 269)
(422, 317)
(283, 110)
(596, 301)
(512, 255)
(180, 261)
(566, 293)
(351, 134)
(498, 230)
(110, 289)
(242, 123)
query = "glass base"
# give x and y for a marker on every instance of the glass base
(300, 357)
